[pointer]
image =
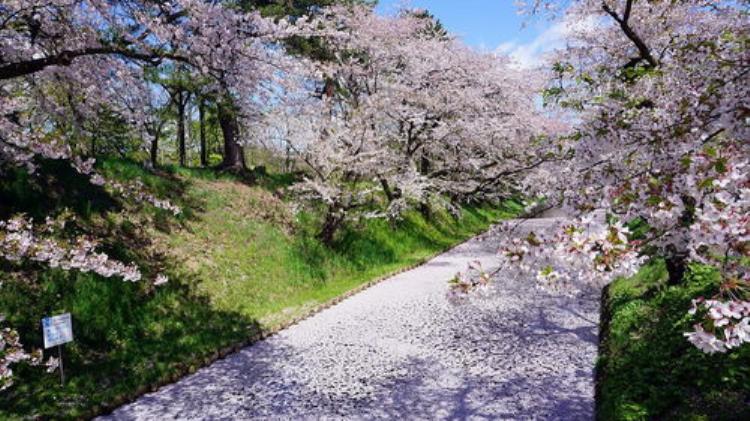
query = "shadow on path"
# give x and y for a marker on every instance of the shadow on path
(400, 350)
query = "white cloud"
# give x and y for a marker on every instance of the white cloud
(531, 54)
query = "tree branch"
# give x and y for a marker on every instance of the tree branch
(643, 50)
(65, 58)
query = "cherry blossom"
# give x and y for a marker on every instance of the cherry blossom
(161, 279)
(659, 96)
(12, 352)
(64, 62)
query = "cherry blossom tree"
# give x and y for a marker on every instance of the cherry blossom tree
(63, 63)
(405, 115)
(660, 95)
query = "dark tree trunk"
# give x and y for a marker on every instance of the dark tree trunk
(234, 158)
(288, 160)
(202, 118)
(154, 153)
(425, 210)
(181, 103)
(676, 268)
(424, 164)
(387, 190)
(331, 225)
(424, 169)
(155, 149)
(677, 261)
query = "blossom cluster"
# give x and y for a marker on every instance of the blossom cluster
(20, 241)
(568, 255)
(730, 325)
(472, 281)
(659, 98)
(136, 190)
(12, 352)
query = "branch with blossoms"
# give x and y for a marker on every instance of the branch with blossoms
(21, 242)
(658, 92)
(721, 239)
(726, 325)
(575, 254)
(473, 280)
(12, 352)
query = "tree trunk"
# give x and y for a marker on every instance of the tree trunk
(424, 169)
(425, 210)
(288, 160)
(387, 190)
(677, 260)
(234, 158)
(155, 150)
(202, 118)
(181, 127)
(676, 268)
(333, 221)
(424, 164)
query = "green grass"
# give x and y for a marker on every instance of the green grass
(239, 263)
(236, 245)
(648, 370)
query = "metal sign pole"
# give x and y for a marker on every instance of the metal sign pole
(62, 374)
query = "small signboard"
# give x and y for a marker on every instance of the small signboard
(58, 330)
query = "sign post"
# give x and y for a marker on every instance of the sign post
(62, 374)
(58, 330)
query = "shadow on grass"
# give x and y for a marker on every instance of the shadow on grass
(252, 177)
(54, 186)
(128, 336)
(648, 370)
(126, 339)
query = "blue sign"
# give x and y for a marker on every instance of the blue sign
(57, 330)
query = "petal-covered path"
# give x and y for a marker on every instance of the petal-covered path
(400, 350)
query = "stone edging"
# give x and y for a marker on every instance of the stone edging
(198, 363)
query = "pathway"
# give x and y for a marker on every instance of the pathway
(400, 350)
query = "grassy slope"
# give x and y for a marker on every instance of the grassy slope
(646, 368)
(238, 262)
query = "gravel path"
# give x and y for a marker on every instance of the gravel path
(400, 350)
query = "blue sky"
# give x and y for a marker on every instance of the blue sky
(490, 25)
